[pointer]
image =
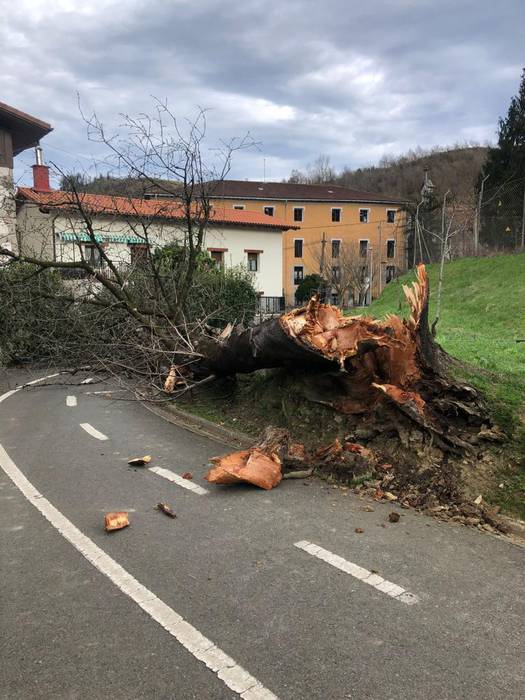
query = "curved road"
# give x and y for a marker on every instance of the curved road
(246, 594)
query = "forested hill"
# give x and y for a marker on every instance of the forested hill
(456, 169)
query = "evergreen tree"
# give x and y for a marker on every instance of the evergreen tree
(502, 207)
(507, 160)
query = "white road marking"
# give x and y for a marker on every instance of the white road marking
(93, 431)
(8, 394)
(226, 668)
(71, 401)
(87, 381)
(185, 483)
(358, 572)
(18, 388)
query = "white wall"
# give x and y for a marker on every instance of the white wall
(236, 239)
(7, 209)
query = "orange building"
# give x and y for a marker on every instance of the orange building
(343, 232)
(356, 240)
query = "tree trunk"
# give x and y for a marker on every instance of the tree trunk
(361, 366)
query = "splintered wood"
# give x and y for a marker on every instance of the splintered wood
(385, 372)
(115, 521)
(265, 464)
(365, 348)
(251, 466)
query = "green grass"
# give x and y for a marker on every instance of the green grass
(482, 316)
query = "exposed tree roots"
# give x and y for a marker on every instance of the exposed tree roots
(383, 371)
(389, 379)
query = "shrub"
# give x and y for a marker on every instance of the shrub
(310, 285)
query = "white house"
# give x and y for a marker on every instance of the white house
(51, 224)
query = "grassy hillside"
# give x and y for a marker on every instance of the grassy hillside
(483, 314)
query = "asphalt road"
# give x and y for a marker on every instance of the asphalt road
(300, 626)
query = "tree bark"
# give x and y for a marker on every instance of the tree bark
(361, 366)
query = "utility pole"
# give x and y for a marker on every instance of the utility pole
(477, 218)
(321, 267)
(368, 294)
(379, 261)
(416, 235)
(444, 244)
(321, 262)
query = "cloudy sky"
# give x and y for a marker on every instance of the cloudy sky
(353, 80)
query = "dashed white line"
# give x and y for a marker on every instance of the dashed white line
(185, 483)
(364, 575)
(93, 431)
(88, 380)
(202, 648)
(71, 401)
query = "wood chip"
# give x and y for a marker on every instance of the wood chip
(139, 461)
(164, 507)
(115, 521)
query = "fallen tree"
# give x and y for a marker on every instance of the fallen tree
(381, 372)
(420, 428)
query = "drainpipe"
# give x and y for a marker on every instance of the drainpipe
(53, 232)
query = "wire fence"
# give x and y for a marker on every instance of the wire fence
(491, 222)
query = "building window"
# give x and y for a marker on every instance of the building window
(336, 273)
(391, 249)
(390, 273)
(336, 215)
(253, 262)
(298, 273)
(92, 255)
(363, 248)
(391, 216)
(363, 215)
(298, 213)
(239, 206)
(336, 248)
(269, 211)
(218, 257)
(138, 253)
(298, 248)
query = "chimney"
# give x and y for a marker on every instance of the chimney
(40, 173)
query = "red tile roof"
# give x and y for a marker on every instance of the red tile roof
(149, 208)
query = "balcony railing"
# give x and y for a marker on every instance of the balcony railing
(271, 306)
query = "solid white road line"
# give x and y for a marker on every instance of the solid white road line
(8, 394)
(19, 388)
(185, 483)
(226, 668)
(358, 572)
(71, 401)
(93, 431)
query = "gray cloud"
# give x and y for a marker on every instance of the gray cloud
(353, 80)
